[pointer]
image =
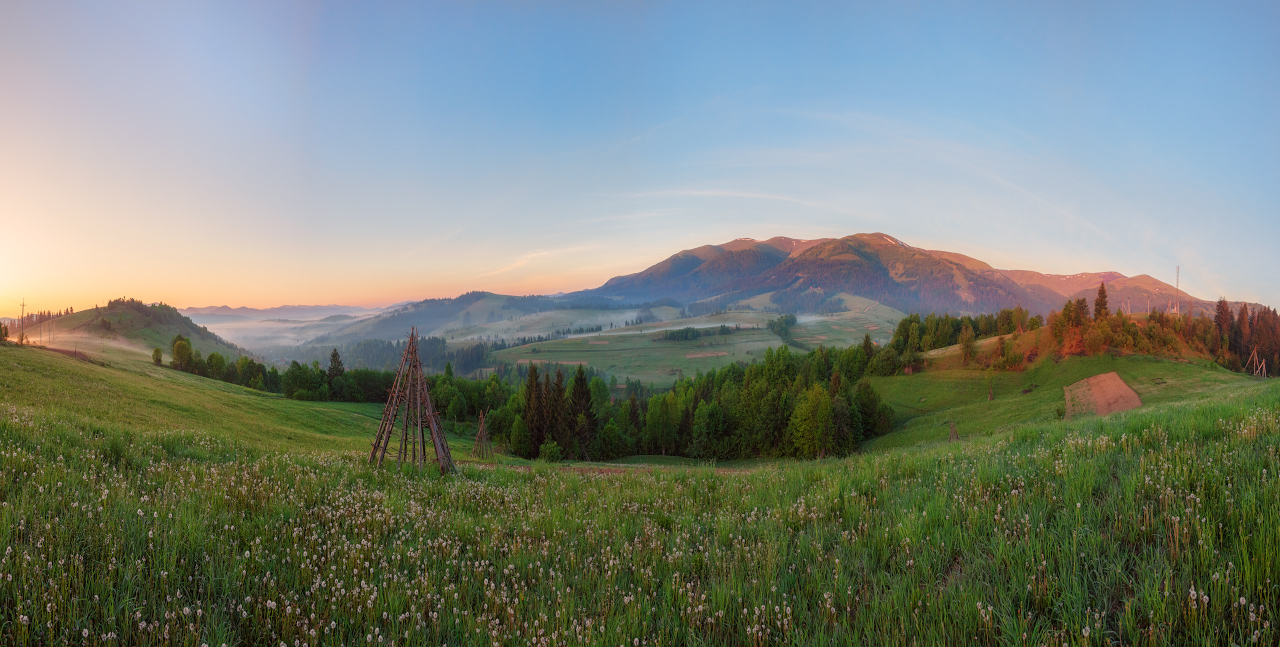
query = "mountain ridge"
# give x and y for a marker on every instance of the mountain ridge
(875, 266)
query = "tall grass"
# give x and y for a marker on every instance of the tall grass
(1147, 528)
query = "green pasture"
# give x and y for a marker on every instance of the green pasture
(924, 403)
(647, 357)
(142, 506)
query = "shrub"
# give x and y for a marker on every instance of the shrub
(885, 363)
(550, 452)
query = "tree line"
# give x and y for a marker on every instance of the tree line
(805, 406)
(242, 370)
(1231, 337)
(693, 334)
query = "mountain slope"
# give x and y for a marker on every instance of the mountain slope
(803, 275)
(704, 271)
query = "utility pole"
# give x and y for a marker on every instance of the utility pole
(22, 323)
(1177, 286)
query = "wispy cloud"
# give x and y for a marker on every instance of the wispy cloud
(529, 257)
(519, 262)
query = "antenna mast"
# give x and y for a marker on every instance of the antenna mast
(1177, 286)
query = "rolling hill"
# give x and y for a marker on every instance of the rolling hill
(129, 322)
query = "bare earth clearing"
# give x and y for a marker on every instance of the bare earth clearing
(1101, 394)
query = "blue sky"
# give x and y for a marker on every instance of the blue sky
(259, 154)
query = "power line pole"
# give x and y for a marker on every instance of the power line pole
(1177, 286)
(22, 323)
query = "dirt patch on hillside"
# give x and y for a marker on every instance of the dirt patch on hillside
(597, 342)
(551, 361)
(1101, 394)
(710, 353)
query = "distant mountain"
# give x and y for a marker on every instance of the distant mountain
(705, 271)
(801, 275)
(226, 314)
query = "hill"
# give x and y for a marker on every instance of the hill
(132, 323)
(209, 314)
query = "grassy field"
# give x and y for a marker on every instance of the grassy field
(127, 396)
(638, 352)
(925, 402)
(144, 506)
(646, 356)
(865, 317)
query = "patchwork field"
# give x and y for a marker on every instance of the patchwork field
(646, 356)
(865, 317)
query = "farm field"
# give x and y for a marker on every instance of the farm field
(639, 353)
(198, 512)
(646, 356)
(865, 317)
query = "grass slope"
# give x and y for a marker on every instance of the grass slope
(646, 356)
(1156, 527)
(130, 398)
(925, 402)
(83, 329)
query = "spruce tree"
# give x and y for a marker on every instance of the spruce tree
(1100, 309)
(580, 407)
(1224, 320)
(533, 409)
(336, 370)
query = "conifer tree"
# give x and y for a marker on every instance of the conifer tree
(336, 370)
(1100, 309)
(533, 410)
(1223, 320)
(1243, 330)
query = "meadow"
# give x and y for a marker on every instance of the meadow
(145, 506)
(646, 356)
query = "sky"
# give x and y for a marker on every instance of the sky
(260, 154)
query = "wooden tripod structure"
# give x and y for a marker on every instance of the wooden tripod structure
(483, 448)
(1256, 367)
(410, 399)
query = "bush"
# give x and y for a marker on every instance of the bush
(885, 363)
(550, 452)
(157, 357)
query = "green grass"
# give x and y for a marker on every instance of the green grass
(865, 317)
(646, 356)
(80, 331)
(925, 402)
(143, 507)
(130, 396)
